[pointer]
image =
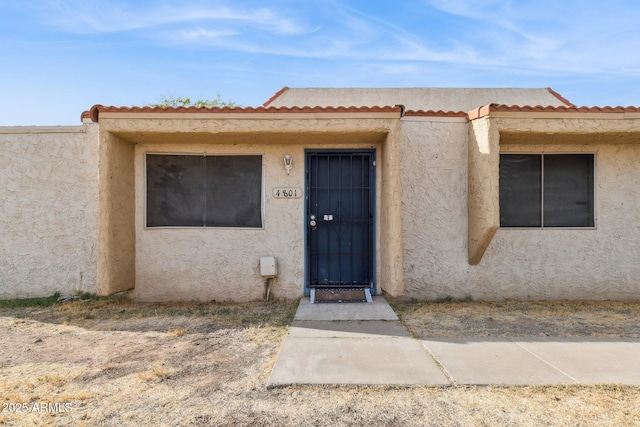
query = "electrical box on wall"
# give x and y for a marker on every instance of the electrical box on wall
(268, 266)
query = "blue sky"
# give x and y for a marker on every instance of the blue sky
(59, 57)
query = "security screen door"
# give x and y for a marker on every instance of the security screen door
(340, 212)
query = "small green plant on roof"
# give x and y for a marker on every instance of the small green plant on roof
(179, 101)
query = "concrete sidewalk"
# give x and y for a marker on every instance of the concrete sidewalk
(333, 343)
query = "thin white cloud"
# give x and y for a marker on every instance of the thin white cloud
(249, 49)
(568, 36)
(86, 17)
(351, 34)
(387, 40)
(199, 34)
(543, 36)
(329, 31)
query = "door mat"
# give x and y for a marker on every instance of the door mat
(340, 295)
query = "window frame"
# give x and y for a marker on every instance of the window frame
(204, 154)
(554, 153)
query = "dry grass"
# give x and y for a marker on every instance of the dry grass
(103, 311)
(567, 319)
(207, 364)
(178, 332)
(159, 372)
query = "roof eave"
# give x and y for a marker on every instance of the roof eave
(538, 111)
(100, 111)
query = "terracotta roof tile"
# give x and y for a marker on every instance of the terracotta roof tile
(471, 115)
(275, 95)
(97, 109)
(487, 109)
(431, 113)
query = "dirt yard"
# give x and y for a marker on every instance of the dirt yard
(117, 363)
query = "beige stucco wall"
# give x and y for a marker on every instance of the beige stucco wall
(596, 263)
(575, 264)
(483, 186)
(72, 208)
(389, 210)
(116, 232)
(48, 210)
(416, 98)
(221, 264)
(434, 206)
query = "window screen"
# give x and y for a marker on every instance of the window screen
(568, 190)
(520, 190)
(204, 191)
(550, 190)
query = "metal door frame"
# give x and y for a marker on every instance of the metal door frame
(372, 198)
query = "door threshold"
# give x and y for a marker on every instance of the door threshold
(340, 295)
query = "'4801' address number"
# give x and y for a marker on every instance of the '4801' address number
(287, 193)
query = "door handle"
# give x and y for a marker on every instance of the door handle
(312, 222)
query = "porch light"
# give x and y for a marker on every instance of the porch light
(288, 163)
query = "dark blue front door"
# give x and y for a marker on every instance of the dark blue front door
(340, 212)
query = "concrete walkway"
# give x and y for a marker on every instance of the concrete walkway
(365, 344)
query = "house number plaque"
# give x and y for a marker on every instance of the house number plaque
(287, 193)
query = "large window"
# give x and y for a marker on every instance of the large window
(546, 190)
(204, 191)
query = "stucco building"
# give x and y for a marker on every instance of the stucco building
(417, 192)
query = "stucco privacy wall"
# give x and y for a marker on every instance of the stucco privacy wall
(48, 210)
(222, 264)
(434, 206)
(116, 233)
(598, 263)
